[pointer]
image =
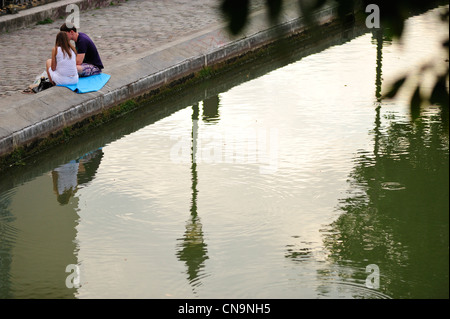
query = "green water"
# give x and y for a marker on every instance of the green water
(285, 179)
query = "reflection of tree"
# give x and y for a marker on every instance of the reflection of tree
(298, 254)
(192, 249)
(396, 215)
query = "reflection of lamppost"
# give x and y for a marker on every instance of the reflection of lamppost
(193, 248)
(195, 116)
(379, 39)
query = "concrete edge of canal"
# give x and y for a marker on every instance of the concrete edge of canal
(28, 126)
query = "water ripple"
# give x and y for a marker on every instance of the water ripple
(392, 186)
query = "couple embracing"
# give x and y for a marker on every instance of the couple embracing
(68, 63)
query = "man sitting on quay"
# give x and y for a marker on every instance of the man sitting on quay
(88, 59)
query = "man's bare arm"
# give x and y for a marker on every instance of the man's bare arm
(80, 58)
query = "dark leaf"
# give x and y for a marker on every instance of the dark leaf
(394, 88)
(392, 17)
(445, 15)
(318, 4)
(274, 8)
(396, 27)
(345, 8)
(439, 94)
(416, 102)
(236, 12)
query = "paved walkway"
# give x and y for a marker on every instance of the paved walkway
(120, 31)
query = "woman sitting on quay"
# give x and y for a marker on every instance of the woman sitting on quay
(62, 67)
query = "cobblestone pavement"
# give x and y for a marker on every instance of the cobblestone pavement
(122, 30)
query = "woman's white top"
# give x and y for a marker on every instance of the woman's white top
(66, 68)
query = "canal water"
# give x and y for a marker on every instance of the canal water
(287, 178)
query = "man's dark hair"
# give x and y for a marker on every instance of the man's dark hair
(65, 28)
